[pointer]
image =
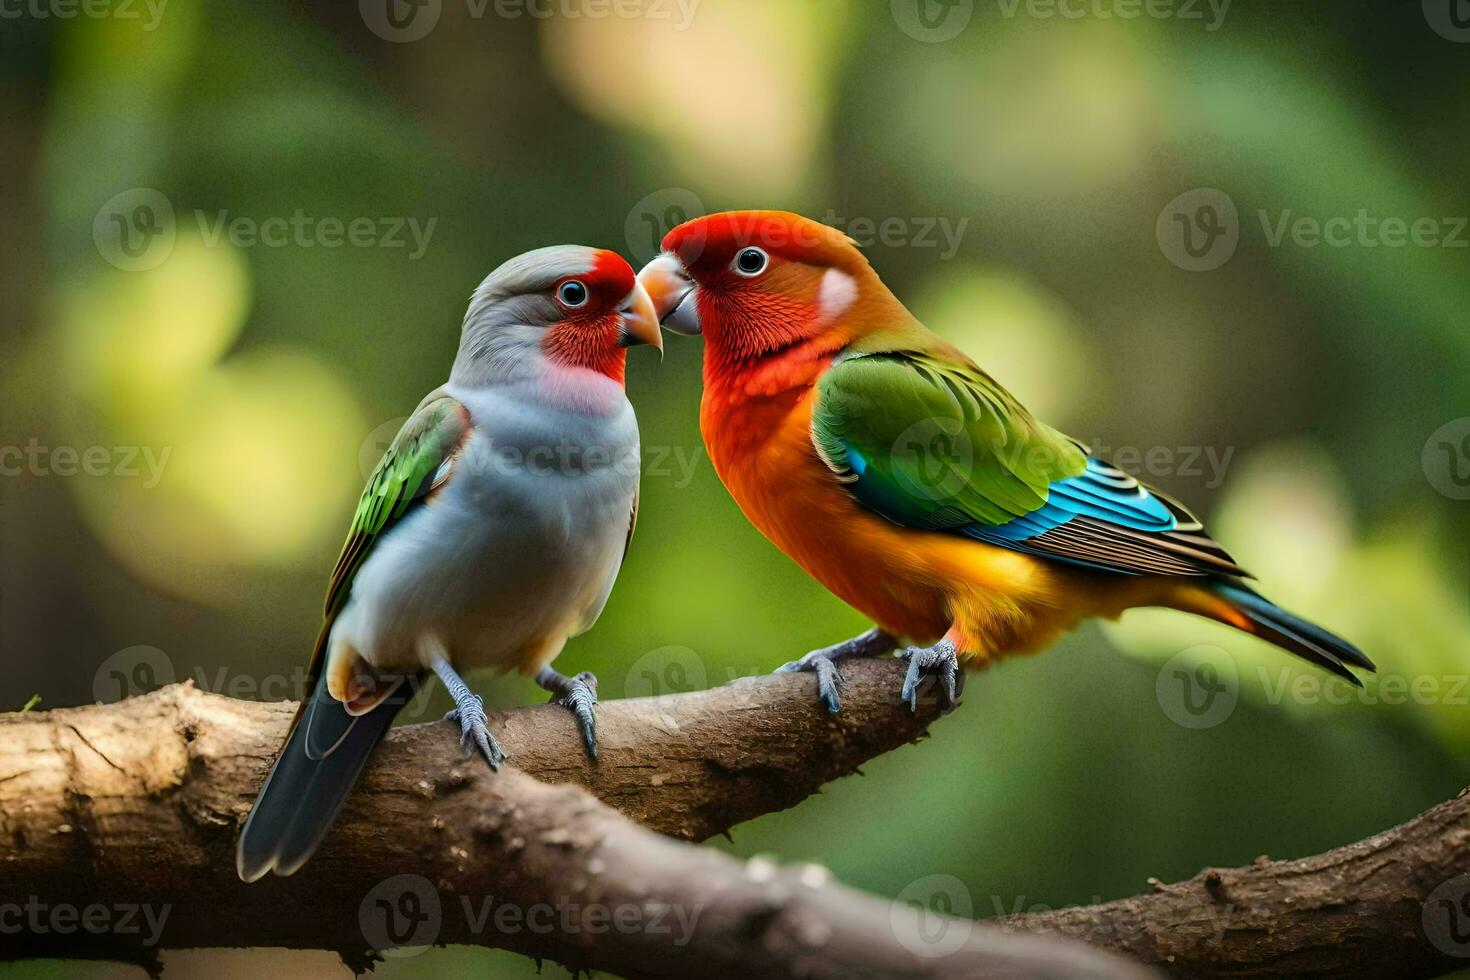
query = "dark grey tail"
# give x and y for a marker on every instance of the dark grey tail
(321, 760)
(1307, 640)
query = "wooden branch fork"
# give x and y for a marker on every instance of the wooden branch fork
(117, 829)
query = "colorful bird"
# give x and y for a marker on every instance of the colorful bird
(911, 484)
(490, 532)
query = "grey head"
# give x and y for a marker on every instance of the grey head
(559, 287)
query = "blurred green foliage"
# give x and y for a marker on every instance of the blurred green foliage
(1313, 377)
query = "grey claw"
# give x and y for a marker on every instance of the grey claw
(474, 731)
(829, 678)
(939, 661)
(581, 695)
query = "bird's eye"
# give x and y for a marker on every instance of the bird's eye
(572, 294)
(751, 261)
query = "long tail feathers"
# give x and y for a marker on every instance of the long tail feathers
(1253, 613)
(312, 777)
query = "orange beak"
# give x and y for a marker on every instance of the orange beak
(640, 320)
(673, 293)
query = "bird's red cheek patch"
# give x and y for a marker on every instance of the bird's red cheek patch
(588, 342)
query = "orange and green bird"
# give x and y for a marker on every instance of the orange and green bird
(908, 481)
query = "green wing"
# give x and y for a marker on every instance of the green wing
(928, 440)
(418, 460)
(936, 443)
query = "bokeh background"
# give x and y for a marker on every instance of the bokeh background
(1105, 212)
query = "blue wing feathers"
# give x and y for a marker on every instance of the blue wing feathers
(1102, 519)
(1096, 493)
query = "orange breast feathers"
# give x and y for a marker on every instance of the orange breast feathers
(762, 451)
(920, 585)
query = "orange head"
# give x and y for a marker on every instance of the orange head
(759, 284)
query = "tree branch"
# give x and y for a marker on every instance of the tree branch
(1396, 904)
(117, 825)
(137, 804)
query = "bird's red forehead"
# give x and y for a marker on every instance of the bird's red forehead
(610, 274)
(717, 237)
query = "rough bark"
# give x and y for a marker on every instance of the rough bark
(136, 806)
(1394, 905)
(138, 803)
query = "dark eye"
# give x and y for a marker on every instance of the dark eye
(572, 294)
(751, 261)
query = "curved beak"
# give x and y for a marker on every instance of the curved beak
(673, 293)
(640, 320)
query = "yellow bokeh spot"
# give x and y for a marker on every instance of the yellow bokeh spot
(1082, 119)
(1023, 336)
(737, 95)
(241, 459)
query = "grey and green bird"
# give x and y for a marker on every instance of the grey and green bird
(490, 532)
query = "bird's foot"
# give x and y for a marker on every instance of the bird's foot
(469, 711)
(474, 732)
(823, 663)
(578, 695)
(940, 661)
